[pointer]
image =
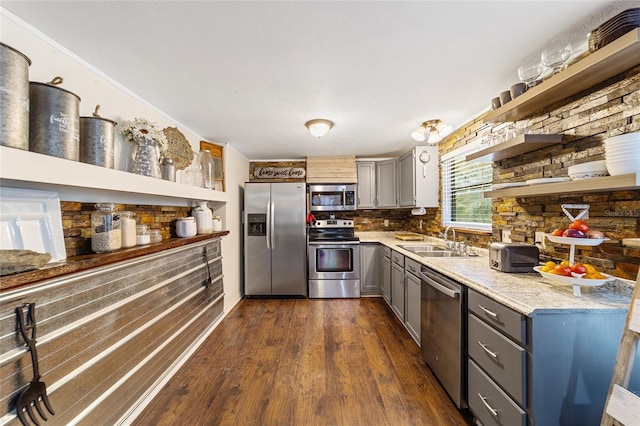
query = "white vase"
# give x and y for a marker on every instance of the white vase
(204, 218)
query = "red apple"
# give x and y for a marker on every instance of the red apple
(562, 270)
(579, 268)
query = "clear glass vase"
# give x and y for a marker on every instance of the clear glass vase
(146, 158)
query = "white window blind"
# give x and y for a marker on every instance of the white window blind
(464, 184)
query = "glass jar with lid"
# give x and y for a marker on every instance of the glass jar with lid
(128, 228)
(142, 235)
(106, 235)
(156, 235)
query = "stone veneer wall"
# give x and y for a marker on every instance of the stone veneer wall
(76, 222)
(586, 119)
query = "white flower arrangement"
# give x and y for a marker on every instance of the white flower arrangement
(140, 128)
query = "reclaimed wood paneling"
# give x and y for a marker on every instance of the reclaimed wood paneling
(107, 335)
(332, 169)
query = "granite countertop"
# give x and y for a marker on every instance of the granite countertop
(526, 293)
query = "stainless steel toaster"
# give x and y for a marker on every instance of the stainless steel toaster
(513, 257)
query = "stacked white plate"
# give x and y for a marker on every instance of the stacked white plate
(588, 170)
(623, 154)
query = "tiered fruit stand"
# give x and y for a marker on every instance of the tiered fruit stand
(576, 280)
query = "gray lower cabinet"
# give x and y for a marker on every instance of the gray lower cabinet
(397, 284)
(386, 275)
(550, 368)
(405, 292)
(371, 255)
(412, 298)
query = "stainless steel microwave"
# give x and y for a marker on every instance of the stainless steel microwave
(332, 198)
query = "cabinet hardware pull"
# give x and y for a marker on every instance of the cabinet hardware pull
(486, 349)
(492, 410)
(488, 312)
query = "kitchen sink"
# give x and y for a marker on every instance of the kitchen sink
(439, 254)
(424, 248)
(433, 250)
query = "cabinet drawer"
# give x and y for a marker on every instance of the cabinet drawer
(502, 359)
(397, 258)
(387, 252)
(499, 316)
(489, 403)
(412, 266)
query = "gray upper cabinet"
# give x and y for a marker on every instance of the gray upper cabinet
(418, 177)
(386, 183)
(366, 184)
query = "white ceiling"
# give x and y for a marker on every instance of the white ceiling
(251, 73)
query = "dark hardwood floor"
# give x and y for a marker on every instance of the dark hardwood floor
(305, 362)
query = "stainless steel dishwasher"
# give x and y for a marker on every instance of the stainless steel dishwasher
(443, 331)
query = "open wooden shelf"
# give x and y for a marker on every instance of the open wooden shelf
(77, 181)
(519, 145)
(600, 184)
(612, 59)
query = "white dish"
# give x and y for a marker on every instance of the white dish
(622, 152)
(547, 180)
(576, 241)
(571, 280)
(623, 167)
(626, 137)
(588, 175)
(593, 166)
(507, 185)
(31, 220)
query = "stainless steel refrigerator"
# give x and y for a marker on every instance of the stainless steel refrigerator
(275, 241)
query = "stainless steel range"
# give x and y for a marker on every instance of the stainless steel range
(334, 259)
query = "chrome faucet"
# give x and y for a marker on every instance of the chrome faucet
(450, 245)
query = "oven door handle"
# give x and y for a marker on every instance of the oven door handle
(334, 243)
(454, 294)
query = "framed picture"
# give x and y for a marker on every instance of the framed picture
(217, 152)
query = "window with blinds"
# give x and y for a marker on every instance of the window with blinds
(463, 189)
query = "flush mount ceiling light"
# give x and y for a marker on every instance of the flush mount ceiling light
(319, 127)
(436, 131)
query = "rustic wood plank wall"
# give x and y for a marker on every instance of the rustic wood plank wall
(107, 336)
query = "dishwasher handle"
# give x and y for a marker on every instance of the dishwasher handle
(452, 293)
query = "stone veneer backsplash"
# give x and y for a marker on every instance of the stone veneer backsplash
(76, 222)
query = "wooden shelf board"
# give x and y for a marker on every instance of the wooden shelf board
(519, 145)
(600, 184)
(77, 181)
(612, 59)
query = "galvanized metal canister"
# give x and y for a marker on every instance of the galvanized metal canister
(14, 98)
(54, 120)
(96, 140)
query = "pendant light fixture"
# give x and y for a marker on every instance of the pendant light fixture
(431, 131)
(319, 127)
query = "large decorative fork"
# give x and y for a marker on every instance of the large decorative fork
(36, 390)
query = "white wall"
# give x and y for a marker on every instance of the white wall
(49, 59)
